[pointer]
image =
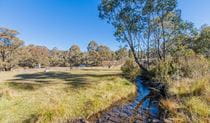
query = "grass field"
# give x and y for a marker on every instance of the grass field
(59, 95)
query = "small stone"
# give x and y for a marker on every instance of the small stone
(138, 121)
(123, 115)
(156, 121)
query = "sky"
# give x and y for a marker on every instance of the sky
(62, 23)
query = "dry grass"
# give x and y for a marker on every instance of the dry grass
(189, 101)
(56, 95)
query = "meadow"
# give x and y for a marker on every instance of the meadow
(59, 95)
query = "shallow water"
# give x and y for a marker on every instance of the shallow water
(126, 112)
(148, 104)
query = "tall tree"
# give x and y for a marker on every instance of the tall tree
(92, 57)
(202, 44)
(105, 53)
(36, 56)
(134, 22)
(9, 43)
(57, 57)
(75, 55)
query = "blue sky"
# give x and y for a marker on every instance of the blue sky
(62, 23)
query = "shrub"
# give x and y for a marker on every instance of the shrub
(165, 70)
(130, 70)
(176, 68)
(7, 66)
(194, 66)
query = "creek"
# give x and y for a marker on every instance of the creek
(142, 109)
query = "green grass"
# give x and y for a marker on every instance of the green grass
(57, 96)
(189, 100)
(198, 106)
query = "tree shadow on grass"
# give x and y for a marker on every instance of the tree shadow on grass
(25, 86)
(42, 79)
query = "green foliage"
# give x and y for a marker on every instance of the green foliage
(97, 54)
(142, 24)
(104, 53)
(121, 54)
(130, 70)
(33, 56)
(175, 68)
(57, 58)
(164, 70)
(202, 43)
(74, 55)
(9, 45)
(154, 28)
(14, 54)
(93, 58)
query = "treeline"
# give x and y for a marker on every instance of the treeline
(14, 54)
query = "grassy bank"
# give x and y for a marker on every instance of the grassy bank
(188, 100)
(57, 96)
(187, 82)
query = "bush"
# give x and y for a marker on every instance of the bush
(130, 70)
(194, 66)
(165, 70)
(176, 68)
(7, 66)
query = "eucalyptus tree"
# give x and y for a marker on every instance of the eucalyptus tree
(92, 46)
(167, 17)
(35, 56)
(74, 55)
(182, 39)
(203, 42)
(125, 16)
(121, 54)
(92, 55)
(9, 43)
(57, 57)
(105, 53)
(137, 22)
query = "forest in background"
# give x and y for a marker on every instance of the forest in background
(14, 54)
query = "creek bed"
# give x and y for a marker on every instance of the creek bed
(143, 108)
